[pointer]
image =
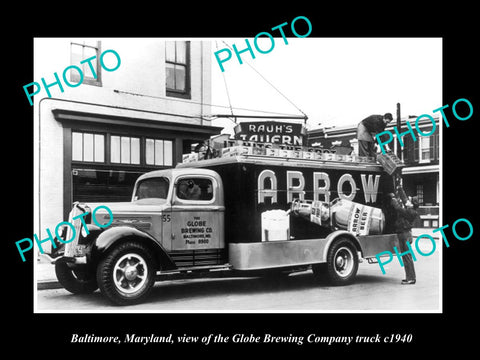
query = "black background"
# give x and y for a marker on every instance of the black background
(50, 334)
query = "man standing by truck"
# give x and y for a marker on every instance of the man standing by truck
(366, 130)
(402, 213)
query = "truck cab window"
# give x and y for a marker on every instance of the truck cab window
(152, 188)
(195, 189)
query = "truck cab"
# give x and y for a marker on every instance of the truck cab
(192, 212)
(212, 215)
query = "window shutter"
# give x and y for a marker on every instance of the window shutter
(432, 147)
(415, 147)
(408, 149)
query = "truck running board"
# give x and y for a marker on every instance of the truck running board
(194, 272)
(276, 254)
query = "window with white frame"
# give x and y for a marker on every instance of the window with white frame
(121, 149)
(420, 193)
(124, 149)
(81, 50)
(177, 62)
(158, 152)
(424, 149)
(88, 147)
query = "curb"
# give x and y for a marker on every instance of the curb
(45, 271)
(48, 285)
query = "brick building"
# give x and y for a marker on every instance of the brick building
(421, 175)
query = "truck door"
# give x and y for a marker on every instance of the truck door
(197, 217)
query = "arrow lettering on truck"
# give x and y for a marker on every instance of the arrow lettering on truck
(296, 186)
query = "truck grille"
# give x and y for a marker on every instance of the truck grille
(187, 258)
(71, 246)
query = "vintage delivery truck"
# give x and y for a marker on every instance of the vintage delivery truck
(237, 214)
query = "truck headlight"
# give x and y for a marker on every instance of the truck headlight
(83, 232)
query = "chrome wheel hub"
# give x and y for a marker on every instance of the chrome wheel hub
(130, 273)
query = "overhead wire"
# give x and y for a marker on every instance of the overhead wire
(226, 89)
(273, 86)
(230, 106)
(196, 102)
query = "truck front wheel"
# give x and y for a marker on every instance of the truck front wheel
(342, 262)
(127, 273)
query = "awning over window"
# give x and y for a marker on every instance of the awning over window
(77, 116)
(420, 169)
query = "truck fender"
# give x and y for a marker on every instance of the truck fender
(335, 235)
(116, 234)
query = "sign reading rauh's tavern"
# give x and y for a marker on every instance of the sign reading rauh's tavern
(271, 132)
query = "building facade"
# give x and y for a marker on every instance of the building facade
(421, 174)
(121, 107)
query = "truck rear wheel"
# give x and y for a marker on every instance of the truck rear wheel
(342, 262)
(77, 281)
(127, 273)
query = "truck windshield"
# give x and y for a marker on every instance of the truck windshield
(152, 188)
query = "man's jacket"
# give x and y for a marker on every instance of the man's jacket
(373, 124)
(403, 217)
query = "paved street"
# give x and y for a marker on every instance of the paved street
(371, 291)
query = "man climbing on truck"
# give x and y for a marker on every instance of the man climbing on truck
(366, 130)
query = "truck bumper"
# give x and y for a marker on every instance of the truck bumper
(77, 260)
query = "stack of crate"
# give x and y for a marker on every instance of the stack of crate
(390, 162)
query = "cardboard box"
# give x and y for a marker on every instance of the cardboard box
(308, 155)
(284, 153)
(237, 150)
(271, 152)
(256, 150)
(186, 158)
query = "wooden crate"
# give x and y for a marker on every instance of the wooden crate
(390, 162)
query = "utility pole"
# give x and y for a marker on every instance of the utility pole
(399, 128)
